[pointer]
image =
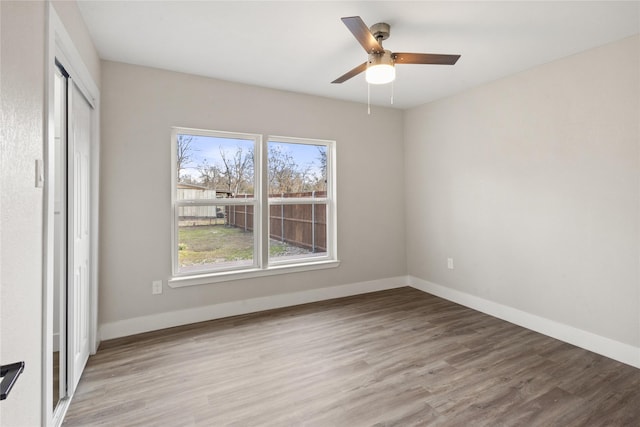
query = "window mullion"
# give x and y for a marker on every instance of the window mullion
(263, 184)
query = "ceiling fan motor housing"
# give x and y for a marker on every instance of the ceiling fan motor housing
(383, 58)
(380, 31)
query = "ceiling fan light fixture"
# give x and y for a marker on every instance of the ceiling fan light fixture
(380, 68)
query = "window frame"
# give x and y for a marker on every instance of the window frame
(261, 266)
(328, 200)
(177, 204)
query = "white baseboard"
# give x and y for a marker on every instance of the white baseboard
(170, 319)
(616, 350)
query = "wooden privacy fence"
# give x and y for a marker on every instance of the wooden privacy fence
(303, 225)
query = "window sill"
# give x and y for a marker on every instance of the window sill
(205, 279)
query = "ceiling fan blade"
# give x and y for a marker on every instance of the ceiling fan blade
(343, 78)
(424, 58)
(361, 32)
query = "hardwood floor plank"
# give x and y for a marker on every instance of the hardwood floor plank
(391, 358)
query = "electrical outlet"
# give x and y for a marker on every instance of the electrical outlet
(450, 263)
(156, 287)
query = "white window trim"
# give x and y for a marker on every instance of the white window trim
(229, 275)
(261, 265)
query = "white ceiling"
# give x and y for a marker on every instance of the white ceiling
(302, 46)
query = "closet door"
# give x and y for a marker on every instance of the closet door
(79, 267)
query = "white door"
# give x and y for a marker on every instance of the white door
(79, 181)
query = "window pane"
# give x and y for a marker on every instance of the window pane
(210, 167)
(296, 170)
(215, 237)
(297, 231)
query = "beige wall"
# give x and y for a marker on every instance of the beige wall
(22, 42)
(531, 184)
(139, 107)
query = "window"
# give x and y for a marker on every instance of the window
(242, 207)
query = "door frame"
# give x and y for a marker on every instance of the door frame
(60, 47)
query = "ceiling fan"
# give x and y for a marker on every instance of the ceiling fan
(380, 68)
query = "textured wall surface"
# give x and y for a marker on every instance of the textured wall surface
(22, 42)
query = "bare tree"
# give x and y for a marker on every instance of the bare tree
(285, 175)
(210, 175)
(184, 152)
(321, 181)
(237, 170)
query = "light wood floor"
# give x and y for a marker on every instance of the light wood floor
(56, 378)
(392, 358)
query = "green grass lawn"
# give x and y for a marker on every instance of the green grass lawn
(208, 244)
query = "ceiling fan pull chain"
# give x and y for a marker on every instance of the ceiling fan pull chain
(368, 98)
(392, 86)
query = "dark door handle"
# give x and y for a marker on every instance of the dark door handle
(9, 374)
